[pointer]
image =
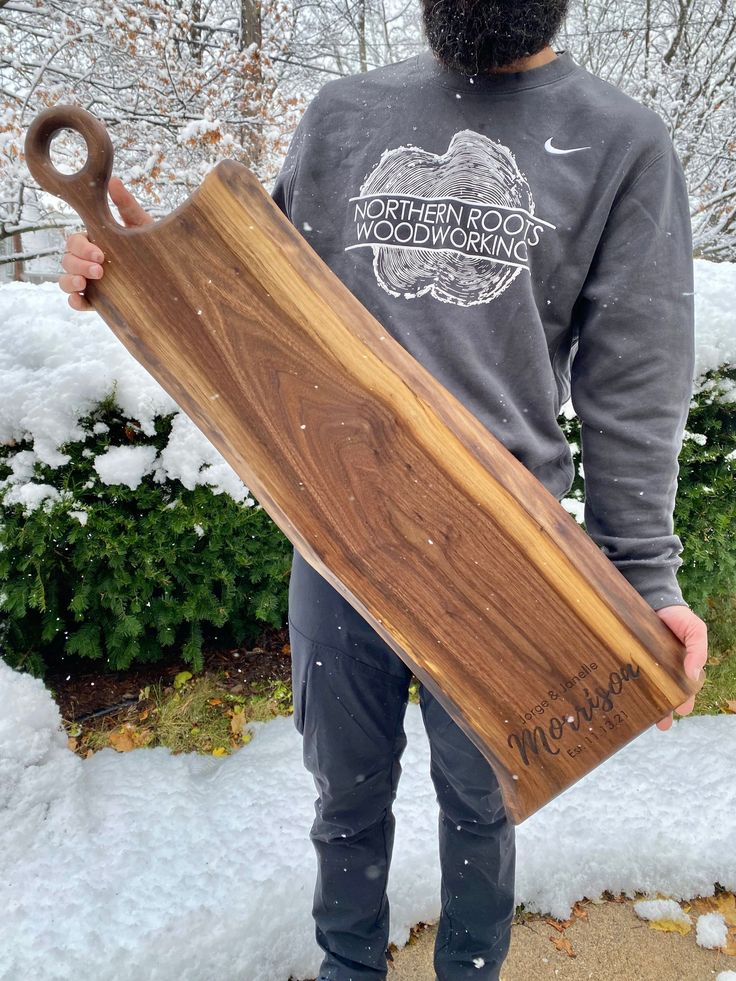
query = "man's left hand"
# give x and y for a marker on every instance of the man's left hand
(693, 633)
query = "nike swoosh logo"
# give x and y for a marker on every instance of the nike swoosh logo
(553, 149)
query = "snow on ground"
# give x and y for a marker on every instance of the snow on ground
(56, 363)
(194, 868)
(712, 930)
(662, 909)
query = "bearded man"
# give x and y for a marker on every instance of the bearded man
(522, 227)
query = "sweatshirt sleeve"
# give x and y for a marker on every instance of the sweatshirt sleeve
(284, 183)
(632, 376)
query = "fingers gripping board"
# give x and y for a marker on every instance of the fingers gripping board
(389, 487)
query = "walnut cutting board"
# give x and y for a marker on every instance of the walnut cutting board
(449, 547)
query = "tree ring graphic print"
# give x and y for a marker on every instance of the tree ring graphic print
(457, 225)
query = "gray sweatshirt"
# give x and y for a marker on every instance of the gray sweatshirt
(526, 236)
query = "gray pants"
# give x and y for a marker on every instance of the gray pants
(350, 698)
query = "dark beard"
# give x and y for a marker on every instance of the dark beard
(477, 36)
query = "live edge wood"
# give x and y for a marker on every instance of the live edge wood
(389, 487)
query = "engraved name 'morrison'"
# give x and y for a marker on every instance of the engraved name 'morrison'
(532, 740)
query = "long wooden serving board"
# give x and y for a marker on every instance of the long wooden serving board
(389, 487)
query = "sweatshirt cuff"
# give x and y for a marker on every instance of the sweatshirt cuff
(657, 585)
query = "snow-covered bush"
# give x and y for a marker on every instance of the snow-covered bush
(124, 534)
(109, 563)
(706, 504)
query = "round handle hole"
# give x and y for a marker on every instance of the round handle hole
(68, 151)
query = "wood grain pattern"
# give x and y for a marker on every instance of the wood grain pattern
(388, 486)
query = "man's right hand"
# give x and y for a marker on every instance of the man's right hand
(82, 260)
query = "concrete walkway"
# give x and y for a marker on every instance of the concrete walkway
(610, 943)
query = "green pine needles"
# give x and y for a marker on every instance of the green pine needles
(152, 571)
